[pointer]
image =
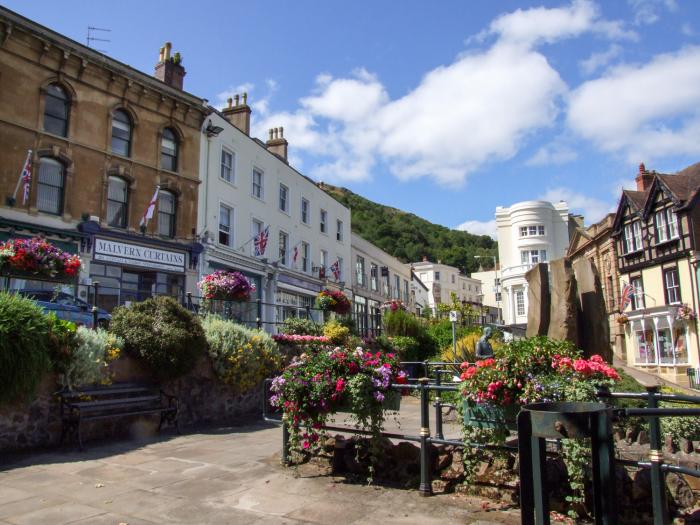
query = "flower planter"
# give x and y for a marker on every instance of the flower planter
(487, 415)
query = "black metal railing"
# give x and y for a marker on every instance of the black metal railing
(433, 381)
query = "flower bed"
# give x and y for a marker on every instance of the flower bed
(227, 286)
(333, 301)
(37, 257)
(318, 384)
(294, 339)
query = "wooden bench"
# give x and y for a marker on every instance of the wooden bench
(113, 401)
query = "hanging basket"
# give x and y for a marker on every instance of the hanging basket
(391, 403)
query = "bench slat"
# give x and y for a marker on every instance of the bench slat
(118, 414)
(106, 392)
(125, 401)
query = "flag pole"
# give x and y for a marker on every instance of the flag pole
(21, 174)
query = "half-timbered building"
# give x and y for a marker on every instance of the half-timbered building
(656, 230)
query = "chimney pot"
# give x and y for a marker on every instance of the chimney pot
(235, 99)
(237, 114)
(644, 178)
(230, 102)
(281, 132)
(270, 134)
(245, 99)
(170, 71)
(168, 47)
(642, 168)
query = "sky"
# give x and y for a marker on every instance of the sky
(445, 109)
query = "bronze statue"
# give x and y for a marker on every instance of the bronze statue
(484, 350)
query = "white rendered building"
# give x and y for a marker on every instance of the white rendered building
(377, 277)
(248, 186)
(528, 233)
(443, 280)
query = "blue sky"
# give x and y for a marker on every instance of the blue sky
(444, 109)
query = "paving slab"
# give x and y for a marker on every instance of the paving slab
(57, 514)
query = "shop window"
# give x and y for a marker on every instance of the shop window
(169, 150)
(166, 213)
(225, 225)
(117, 202)
(121, 133)
(50, 186)
(56, 110)
(227, 165)
(646, 353)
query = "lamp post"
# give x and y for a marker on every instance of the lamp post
(496, 281)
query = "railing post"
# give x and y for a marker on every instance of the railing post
(656, 457)
(94, 318)
(258, 319)
(189, 301)
(438, 408)
(285, 440)
(425, 488)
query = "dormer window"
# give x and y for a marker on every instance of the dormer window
(632, 238)
(666, 225)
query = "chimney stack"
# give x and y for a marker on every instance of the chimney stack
(238, 114)
(644, 178)
(277, 144)
(169, 68)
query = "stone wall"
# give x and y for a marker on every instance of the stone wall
(204, 400)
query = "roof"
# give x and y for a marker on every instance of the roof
(685, 184)
(91, 55)
(637, 198)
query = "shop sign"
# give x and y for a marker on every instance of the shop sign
(136, 255)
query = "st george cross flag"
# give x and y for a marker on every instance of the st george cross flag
(261, 241)
(335, 268)
(148, 215)
(27, 177)
(626, 296)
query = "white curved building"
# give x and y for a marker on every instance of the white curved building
(528, 232)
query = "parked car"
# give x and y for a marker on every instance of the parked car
(67, 307)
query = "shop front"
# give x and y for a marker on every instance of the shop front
(295, 297)
(245, 312)
(129, 269)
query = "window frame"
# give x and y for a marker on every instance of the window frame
(673, 289)
(520, 303)
(62, 187)
(339, 230)
(283, 203)
(360, 270)
(260, 186)
(256, 226)
(323, 221)
(637, 299)
(125, 204)
(175, 156)
(282, 254)
(373, 277)
(231, 168)
(231, 221)
(171, 216)
(66, 101)
(305, 256)
(305, 211)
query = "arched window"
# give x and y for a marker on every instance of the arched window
(166, 213)
(56, 110)
(117, 201)
(121, 133)
(49, 187)
(168, 150)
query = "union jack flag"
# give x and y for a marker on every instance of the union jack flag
(26, 177)
(261, 241)
(295, 254)
(626, 296)
(335, 268)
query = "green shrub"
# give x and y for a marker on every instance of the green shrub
(400, 323)
(24, 341)
(299, 326)
(441, 332)
(62, 341)
(242, 357)
(162, 333)
(679, 427)
(336, 332)
(408, 348)
(94, 350)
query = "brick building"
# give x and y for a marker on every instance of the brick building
(103, 136)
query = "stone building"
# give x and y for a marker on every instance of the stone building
(443, 280)
(655, 230)
(596, 244)
(102, 136)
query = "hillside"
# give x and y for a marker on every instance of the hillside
(409, 237)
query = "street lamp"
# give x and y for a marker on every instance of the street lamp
(497, 282)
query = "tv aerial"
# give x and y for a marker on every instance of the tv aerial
(91, 31)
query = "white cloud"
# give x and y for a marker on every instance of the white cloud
(552, 154)
(597, 61)
(232, 91)
(687, 29)
(479, 108)
(646, 111)
(479, 227)
(647, 12)
(592, 209)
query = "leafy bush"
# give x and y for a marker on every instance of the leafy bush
(62, 341)
(441, 332)
(679, 427)
(408, 348)
(336, 332)
(162, 333)
(24, 338)
(242, 357)
(400, 323)
(299, 326)
(94, 350)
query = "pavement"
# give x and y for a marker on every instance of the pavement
(214, 476)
